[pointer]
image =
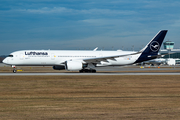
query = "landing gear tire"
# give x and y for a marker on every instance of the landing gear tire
(87, 71)
(14, 71)
(93, 71)
(81, 71)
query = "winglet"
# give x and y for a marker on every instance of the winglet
(95, 49)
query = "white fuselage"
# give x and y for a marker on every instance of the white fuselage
(58, 57)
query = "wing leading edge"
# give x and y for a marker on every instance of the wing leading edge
(106, 58)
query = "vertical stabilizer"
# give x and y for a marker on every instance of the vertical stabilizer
(152, 48)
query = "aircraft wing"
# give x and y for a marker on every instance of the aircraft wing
(104, 59)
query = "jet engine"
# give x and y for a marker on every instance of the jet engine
(73, 65)
(59, 67)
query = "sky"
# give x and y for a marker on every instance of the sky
(86, 24)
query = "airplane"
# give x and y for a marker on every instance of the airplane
(85, 61)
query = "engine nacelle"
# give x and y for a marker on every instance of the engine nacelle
(73, 65)
(59, 67)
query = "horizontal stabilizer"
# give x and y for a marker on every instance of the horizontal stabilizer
(161, 55)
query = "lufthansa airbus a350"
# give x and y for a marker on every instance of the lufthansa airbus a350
(85, 61)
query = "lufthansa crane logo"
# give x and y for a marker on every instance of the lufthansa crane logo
(154, 46)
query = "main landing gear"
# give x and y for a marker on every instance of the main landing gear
(87, 71)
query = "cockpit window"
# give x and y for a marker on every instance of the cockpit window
(10, 55)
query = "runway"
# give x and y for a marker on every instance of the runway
(60, 74)
(124, 70)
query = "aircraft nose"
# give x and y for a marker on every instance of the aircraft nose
(5, 61)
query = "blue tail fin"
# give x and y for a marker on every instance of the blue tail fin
(152, 48)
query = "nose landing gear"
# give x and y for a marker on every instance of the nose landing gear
(14, 68)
